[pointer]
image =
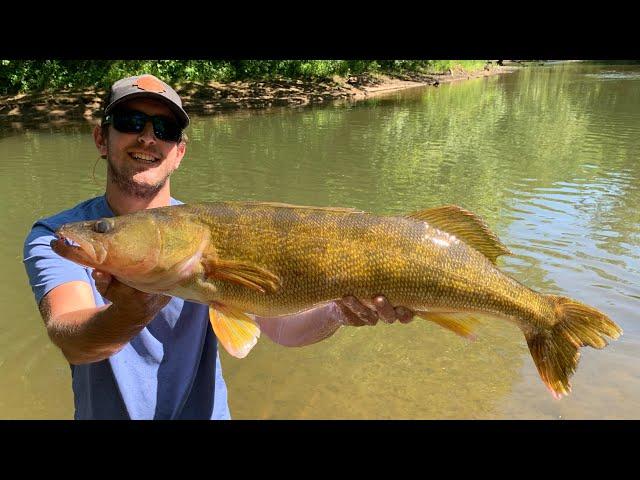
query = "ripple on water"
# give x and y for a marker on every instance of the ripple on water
(614, 75)
(550, 160)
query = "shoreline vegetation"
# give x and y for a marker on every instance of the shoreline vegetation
(57, 107)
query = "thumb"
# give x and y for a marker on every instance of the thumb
(102, 279)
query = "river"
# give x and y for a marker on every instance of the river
(548, 155)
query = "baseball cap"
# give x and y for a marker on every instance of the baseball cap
(146, 86)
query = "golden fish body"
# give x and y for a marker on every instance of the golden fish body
(323, 254)
(273, 259)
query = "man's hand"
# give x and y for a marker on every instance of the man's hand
(356, 314)
(135, 303)
(315, 325)
(87, 333)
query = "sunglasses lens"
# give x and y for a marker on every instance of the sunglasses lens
(166, 129)
(134, 122)
(129, 122)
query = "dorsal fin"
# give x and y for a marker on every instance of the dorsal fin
(465, 225)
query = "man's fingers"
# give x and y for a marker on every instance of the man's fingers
(103, 280)
(360, 315)
(384, 308)
(404, 315)
(99, 276)
(348, 316)
(389, 314)
(115, 291)
(163, 299)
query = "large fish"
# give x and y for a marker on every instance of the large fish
(271, 259)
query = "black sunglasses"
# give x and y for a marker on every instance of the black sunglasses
(133, 121)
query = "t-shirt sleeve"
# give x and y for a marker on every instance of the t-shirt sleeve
(45, 268)
(220, 402)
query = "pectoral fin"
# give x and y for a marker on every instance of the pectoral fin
(242, 273)
(460, 323)
(465, 225)
(235, 330)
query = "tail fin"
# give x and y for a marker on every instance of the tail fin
(555, 352)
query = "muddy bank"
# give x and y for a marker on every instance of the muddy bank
(73, 107)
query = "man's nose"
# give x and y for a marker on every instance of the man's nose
(147, 135)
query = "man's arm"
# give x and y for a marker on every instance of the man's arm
(314, 325)
(86, 333)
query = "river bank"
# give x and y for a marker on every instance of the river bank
(73, 107)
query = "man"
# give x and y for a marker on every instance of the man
(135, 355)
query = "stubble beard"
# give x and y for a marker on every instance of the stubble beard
(129, 186)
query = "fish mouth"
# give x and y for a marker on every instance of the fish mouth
(78, 249)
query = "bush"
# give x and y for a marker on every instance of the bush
(40, 75)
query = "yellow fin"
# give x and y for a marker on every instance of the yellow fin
(242, 273)
(235, 330)
(555, 351)
(460, 323)
(465, 225)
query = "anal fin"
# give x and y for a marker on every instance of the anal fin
(235, 330)
(460, 323)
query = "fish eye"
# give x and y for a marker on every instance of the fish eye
(102, 226)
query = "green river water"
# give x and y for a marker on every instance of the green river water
(548, 155)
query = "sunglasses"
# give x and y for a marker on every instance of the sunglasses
(133, 121)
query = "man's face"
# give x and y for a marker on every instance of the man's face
(140, 163)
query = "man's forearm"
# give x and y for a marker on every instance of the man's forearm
(91, 335)
(316, 324)
(305, 328)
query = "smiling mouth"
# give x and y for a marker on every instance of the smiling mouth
(144, 158)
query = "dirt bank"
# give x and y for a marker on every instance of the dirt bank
(68, 107)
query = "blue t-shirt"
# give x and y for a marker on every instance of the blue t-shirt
(170, 370)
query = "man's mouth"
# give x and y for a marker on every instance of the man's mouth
(144, 157)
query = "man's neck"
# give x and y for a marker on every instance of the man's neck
(122, 203)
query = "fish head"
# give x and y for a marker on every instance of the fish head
(125, 246)
(150, 249)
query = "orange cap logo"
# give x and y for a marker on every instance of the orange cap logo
(150, 84)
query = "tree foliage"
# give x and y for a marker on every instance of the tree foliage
(40, 75)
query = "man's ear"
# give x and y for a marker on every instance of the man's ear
(100, 140)
(182, 149)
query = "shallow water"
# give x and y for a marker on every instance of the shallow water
(547, 155)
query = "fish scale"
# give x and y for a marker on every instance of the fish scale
(271, 259)
(323, 255)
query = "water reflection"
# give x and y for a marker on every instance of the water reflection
(548, 156)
